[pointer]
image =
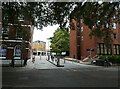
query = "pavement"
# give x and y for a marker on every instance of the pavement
(43, 73)
(43, 63)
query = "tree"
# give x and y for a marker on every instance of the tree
(48, 13)
(97, 15)
(60, 41)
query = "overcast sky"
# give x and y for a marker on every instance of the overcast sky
(46, 33)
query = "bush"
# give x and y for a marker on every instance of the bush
(113, 59)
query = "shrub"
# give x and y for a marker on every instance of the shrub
(113, 58)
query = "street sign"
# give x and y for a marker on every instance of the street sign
(90, 49)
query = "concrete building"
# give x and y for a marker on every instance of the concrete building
(39, 48)
(81, 45)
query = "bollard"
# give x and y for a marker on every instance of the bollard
(58, 60)
(64, 60)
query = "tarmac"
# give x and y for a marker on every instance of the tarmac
(43, 73)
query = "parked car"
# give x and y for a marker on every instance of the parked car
(102, 62)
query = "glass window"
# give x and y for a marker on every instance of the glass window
(114, 49)
(5, 30)
(118, 49)
(114, 16)
(106, 24)
(81, 29)
(109, 51)
(105, 49)
(21, 18)
(82, 38)
(3, 51)
(115, 36)
(98, 23)
(78, 40)
(17, 50)
(98, 50)
(18, 35)
(114, 25)
(102, 50)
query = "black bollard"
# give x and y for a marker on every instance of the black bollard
(12, 62)
(58, 62)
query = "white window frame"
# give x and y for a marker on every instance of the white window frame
(18, 52)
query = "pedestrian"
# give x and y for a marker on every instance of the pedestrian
(40, 56)
(25, 61)
(12, 62)
(52, 57)
(106, 62)
(33, 59)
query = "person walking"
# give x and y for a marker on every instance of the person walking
(33, 58)
(40, 56)
(52, 57)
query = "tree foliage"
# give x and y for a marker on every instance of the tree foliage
(48, 13)
(99, 18)
(60, 41)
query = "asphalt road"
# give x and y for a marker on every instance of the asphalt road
(44, 74)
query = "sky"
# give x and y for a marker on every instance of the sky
(46, 32)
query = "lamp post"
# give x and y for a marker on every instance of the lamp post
(48, 51)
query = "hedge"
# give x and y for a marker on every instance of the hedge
(113, 59)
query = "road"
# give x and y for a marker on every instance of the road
(44, 74)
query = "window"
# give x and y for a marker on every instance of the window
(98, 23)
(114, 16)
(98, 50)
(119, 17)
(17, 50)
(5, 32)
(82, 38)
(105, 50)
(114, 25)
(18, 35)
(21, 18)
(116, 49)
(109, 51)
(115, 36)
(3, 50)
(106, 24)
(78, 40)
(102, 49)
(81, 29)
(78, 32)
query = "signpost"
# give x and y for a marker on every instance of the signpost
(90, 50)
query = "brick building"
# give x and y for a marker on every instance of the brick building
(81, 45)
(16, 45)
(39, 47)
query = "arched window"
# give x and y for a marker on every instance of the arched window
(3, 50)
(17, 50)
(114, 25)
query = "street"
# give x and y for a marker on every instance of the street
(44, 74)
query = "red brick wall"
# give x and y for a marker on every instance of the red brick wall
(73, 44)
(12, 37)
(87, 42)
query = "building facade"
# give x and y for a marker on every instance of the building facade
(39, 48)
(82, 45)
(16, 47)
